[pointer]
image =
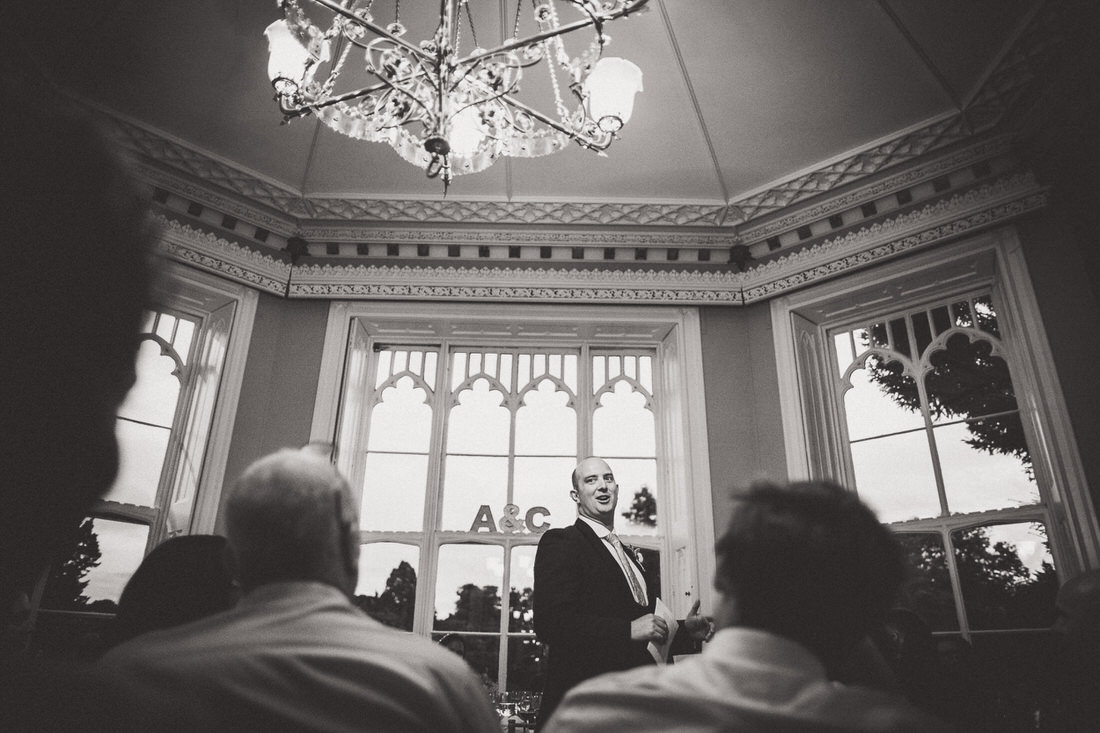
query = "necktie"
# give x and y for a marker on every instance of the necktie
(635, 586)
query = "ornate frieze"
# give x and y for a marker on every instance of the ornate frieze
(969, 211)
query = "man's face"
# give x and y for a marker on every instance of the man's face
(596, 492)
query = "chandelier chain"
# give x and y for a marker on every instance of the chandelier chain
(515, 25)
(470, 19)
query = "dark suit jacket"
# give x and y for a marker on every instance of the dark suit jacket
(583, 608)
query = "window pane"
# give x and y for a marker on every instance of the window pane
(479, 651)
(92, 579)
(393, 492)
(526, 668)
(1007, 575)
(894, 476)
(468, 483)
(386, 590)
(927, 592)
(546, 482)
(882, 400)
(467, 591)
(637, 508)
(402, 421)
(480, 423)
(977, 475)
(967, 382)
(522, 581)
(156, 390)
(141, 451)
(622, 426)
(545, 425)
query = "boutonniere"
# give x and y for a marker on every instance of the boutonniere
(638, 556)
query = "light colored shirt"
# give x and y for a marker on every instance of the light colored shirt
(299, 657)
(604, 533)
(745, 680)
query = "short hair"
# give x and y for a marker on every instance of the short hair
(287, 518)
(808, 561)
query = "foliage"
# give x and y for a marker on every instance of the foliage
(395, 604)
(966, 382)
(999, 591)
(65, 587)
(476, 609)
(643, 509)
(522, 609)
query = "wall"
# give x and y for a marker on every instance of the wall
(280, 381)
(1070, 310)
(744, 424)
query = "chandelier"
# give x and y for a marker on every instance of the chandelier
(445, 108)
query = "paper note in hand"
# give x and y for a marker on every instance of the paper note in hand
(659, 652)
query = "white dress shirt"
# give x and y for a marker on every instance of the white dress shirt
(603, 532)
(745, 680)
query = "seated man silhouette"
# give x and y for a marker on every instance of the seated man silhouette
(295, 654)
(804, 573)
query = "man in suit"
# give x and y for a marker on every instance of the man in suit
(593, 600)
(805, 572)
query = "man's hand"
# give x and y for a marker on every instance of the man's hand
(649, 628)
(701, 628)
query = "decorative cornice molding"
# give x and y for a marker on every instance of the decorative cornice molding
(528, 237)
(923, 171)
(934, 224)
(964, 213)
(211, 253)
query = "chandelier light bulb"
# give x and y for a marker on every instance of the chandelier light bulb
(467, 132)
(610, 90)
(287, 57)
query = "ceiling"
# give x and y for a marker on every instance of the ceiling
(749, 107)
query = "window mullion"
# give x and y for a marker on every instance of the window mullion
(429, 553)
(585, 407)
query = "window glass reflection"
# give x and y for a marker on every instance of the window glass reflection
(621, 425)
(467, 592)
(546, 482)
(977, 474)
(894, 476)
(882, 400)
(545, 424)
(966, 381)
(927, 591)
(156, 389)
(522, 582)
(386, 589)
(393, 492)
(526, 668)
(141, 453)
(402, 420)
(470, 482)
(637, 510)
(480, 422)
(1007, 575)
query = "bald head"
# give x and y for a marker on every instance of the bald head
(290, 516)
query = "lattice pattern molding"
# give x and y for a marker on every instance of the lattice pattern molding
(970, 211)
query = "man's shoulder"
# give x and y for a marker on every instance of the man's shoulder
(560, 536)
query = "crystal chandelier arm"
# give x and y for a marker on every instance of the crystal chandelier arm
(630, 6)
(583, 138)
(375, 29)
